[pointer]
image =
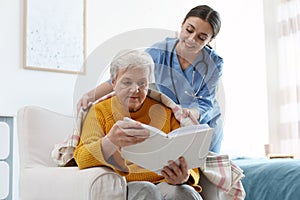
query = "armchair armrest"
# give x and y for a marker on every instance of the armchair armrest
(71, 183)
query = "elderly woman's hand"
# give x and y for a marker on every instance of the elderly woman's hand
(125, 133)
(176, 174)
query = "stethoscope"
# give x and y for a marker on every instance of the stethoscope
(193, 75)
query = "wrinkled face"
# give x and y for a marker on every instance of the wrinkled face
(131, 87)
(195, 34)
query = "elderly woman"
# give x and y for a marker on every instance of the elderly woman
(105, 132)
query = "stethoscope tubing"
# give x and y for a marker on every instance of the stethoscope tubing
(193, 75)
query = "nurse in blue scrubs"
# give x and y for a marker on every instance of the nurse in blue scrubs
(187, 70)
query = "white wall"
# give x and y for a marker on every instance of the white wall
(21, 87)
(240, 43)
(109, 21)
(55, 91)
(116, 17)
(271, 35)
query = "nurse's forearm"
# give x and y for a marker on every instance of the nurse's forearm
(195, 112)
(101, 90)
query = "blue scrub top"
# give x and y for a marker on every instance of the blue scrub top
(201, 94)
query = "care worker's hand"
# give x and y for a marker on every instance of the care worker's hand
(192, 113)
(125, 133)
(176, 174)
(84, 102)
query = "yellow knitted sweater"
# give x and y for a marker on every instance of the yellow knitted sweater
(100, 119)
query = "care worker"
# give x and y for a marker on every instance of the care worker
(187, 70)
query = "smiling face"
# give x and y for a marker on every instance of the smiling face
(131, 86)
(195, 34)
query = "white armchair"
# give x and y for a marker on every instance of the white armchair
(38, 130)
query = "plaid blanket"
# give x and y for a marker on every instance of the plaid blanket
(225, 175)
(218, 169)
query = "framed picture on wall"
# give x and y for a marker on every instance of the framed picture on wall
(54, 35)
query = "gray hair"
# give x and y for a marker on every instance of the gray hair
(131, 58)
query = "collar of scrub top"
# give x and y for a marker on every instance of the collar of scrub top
(193, 75)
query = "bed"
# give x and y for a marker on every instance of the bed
(270, 179)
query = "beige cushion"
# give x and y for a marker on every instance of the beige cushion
(38, 130)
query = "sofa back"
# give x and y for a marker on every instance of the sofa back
(39, 130)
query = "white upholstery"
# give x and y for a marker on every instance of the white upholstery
(38, 130)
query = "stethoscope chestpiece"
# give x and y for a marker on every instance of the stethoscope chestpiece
(193, 95)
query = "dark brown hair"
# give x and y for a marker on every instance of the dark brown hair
(207, 14)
